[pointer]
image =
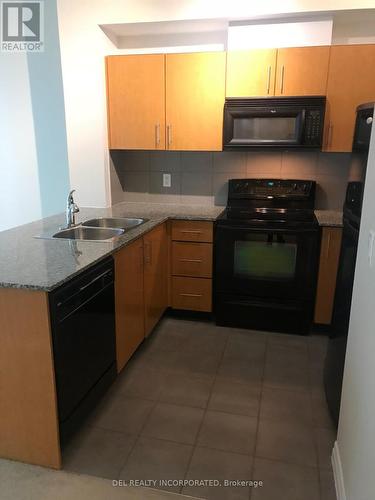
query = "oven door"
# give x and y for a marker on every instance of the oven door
(274, 263)
(254, 127)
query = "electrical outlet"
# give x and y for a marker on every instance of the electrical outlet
(167, 182)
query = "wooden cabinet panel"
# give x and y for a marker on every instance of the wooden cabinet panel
(328, 265)
(195, 91)
(192, 293)
(136, 101)
(350, 83)
(155, 275)
(192, 259)
(130, 327)
(29, 428)
(189, 230)
(302, 71)
(251, 73)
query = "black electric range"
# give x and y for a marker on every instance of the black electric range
(266, 255)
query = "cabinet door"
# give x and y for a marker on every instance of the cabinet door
(130, 327)
(302, 71)
(136, 101)
(350, 83)
(251, 73)
(328, 265)
(195, 92)
(155, 275)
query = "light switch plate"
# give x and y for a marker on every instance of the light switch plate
(167, 182)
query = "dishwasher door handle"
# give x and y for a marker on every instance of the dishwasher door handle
(94, 280)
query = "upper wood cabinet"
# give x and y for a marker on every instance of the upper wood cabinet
(195, 92)
(350, 83)
(302, 71)
(155, 275)
(136, 101)
(251, 72)
(130, 325)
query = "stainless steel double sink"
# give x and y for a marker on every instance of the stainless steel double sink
(100, 229)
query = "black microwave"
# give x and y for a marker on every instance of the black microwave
(269, 122)
(363, 126)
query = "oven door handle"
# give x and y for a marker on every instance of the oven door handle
(265, 230)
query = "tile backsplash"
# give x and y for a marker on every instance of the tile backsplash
(202, 177)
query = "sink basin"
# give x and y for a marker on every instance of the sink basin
(88, 233)
(115, 222)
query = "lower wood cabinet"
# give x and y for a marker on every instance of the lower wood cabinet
(130, 320)
(141, 290)
(194, 294)
(155, 275)
(191, 265)
(328, 265)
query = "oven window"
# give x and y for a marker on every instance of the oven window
(265, 128)
(265, 259)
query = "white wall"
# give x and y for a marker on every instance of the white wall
(294, 33)
(33, 154)
(19, 186)
(84, 45)
(356, 436)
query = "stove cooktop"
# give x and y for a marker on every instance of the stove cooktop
(268, 201)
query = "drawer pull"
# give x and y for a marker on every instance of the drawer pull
(191, 231)
(191, 295)
(197, 261)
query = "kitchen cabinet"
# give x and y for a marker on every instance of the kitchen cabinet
(328, 265)
(302, 71)
(191, 265)
(130, 314)
(136, 101)
(183, 230)
(155, 275)
(195, 92)
(350, 83)
(29, 427)
(250, 73)
(192, 259)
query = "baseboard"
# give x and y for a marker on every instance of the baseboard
(337, 473)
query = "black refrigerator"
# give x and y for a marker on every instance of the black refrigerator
(335, 359)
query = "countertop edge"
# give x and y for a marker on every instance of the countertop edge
(326, 218)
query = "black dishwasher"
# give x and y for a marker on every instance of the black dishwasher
(83, 335)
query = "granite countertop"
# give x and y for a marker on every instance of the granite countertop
(44, 264)
(331, 218)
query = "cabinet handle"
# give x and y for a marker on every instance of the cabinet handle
(142, 256)
(157, 134)
(148, 252)
(269, 80)
(169, 134)
(198, 261)
(330, 134)
(191, 295)
(282, 79)
(191, 231)
(328, 245)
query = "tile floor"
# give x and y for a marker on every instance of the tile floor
(199, 401)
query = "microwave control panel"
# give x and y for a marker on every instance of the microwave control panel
(313, 126)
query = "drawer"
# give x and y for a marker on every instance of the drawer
(191, 230)
(192, 259)
(194, 294)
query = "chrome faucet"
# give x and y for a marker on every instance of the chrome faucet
(71, 210)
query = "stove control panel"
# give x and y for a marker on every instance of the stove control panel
(272, 188)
